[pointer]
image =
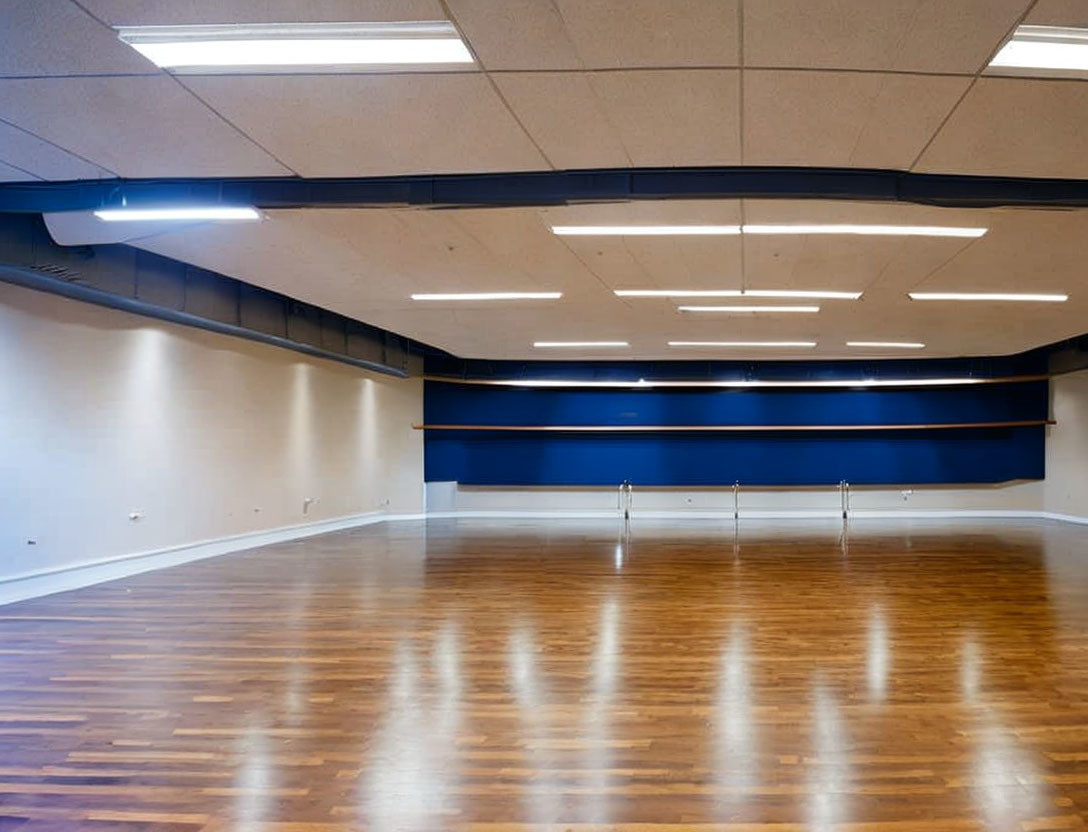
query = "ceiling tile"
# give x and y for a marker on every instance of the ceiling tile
(673, 117)
(1059, 13)
(180, 12)
(360, 125)
(565, 118)
(135, 126)
(653, 33)
(600, 34)
(904, 35)
(42, 158)
(516, 34)
(56, 37)
(1014, 127)
(619, 118)
(843, 118)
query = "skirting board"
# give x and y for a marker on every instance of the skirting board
(48, 582)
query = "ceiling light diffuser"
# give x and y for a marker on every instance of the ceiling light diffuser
(736, 293)
(644, 230)
(749, 308)
(272, 45)
(580, 344)
(209, 212)
(740, 383)
(869, 230)
(835, 228)
(998, 296)
(783, 344)
(891, 345)
(489, 296)
(1059, 49)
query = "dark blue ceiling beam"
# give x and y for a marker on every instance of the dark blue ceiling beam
(551, 188)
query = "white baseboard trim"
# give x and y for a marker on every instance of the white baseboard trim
(1063, 518)
(51, 581)
(750, 514)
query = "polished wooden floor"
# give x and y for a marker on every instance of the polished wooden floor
(493, 676)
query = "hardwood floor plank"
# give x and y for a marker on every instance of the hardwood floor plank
(522, 676)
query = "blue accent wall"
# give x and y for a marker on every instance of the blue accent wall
(763, 457)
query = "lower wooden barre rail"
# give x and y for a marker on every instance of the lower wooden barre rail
(731, 428)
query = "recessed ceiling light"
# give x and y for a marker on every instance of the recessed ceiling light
(892, 345)
(209, 212)
(869, 230)
(589, 344)
(749, 308)
(987, 296)
(489, 296)
(1055, 48)
(674, 230)
(735, 293)
(782, 344)
(272, 45)
(643, 230)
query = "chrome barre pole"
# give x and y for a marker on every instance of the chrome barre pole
(736, 501)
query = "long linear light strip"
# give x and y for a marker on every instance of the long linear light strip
(298, 44)
(869, 230)
(742, 309)
(586, 344)
(892, 345)
(644, 383)
(1045, 47)
(209, 212)
(702, 230)
(488, 296)
(737, 293)
(644, 230)
(772, 344)
(991, 296)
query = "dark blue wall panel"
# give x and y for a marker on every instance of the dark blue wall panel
(765, 457)
(477, 405)
(910, 458)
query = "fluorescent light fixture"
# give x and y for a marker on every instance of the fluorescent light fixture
(737, 384)
(489, 296)
(776, 344)
(1054, 48)
(891, 345)
(644, 230)
(998, 296)
(676, 230)
(736, 293)
(297, 44)
(749, 308)
(209, 212)
(588, 344)
(869, 230)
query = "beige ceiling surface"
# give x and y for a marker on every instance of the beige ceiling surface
(568, 84)
(559, 84)
(367, 263)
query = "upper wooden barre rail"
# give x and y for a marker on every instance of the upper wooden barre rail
(730, 428)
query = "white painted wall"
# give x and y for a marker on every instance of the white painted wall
(1012, 499)
(103, 413)
(1067, 446)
